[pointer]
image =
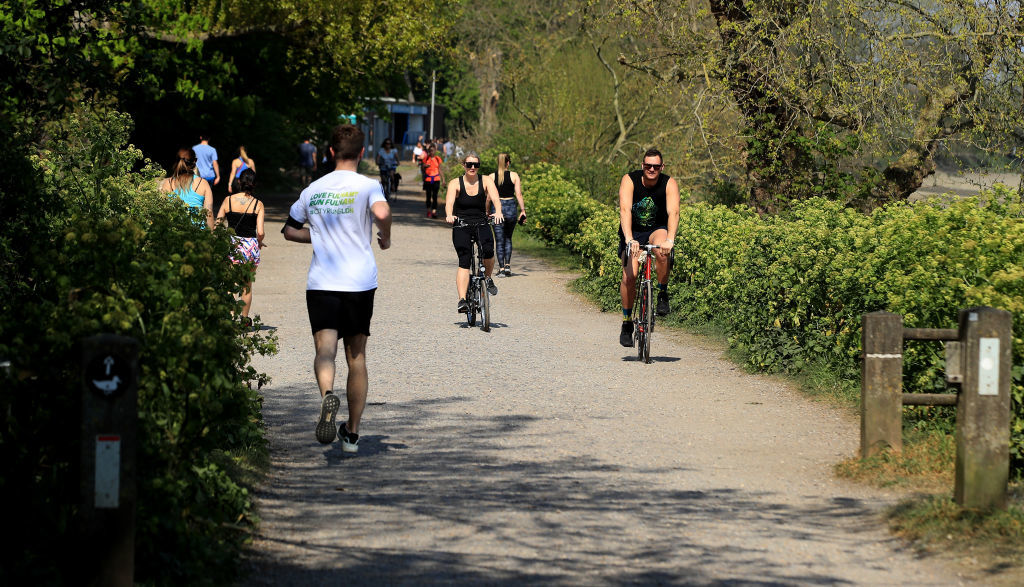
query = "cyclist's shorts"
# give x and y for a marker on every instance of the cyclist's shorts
(642, 237)
(348, 312)
(462, 238)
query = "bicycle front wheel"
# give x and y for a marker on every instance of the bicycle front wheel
(485, 309)
(645, 321)
(471, 297)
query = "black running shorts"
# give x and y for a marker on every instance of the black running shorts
(643, 237)
(348, 312)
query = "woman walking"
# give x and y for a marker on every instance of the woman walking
(243, 212)
(186, 185)
(433, 177)
(510, 192)
(238, 165)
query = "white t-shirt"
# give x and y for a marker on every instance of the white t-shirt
(337, 208)
(417, 151)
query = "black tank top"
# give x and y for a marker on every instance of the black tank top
(470, 208)
(506, 189)
(243, 223)
(649, 209)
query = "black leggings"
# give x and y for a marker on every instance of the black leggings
(432, 187)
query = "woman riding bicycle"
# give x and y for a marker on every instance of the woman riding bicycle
(466, 200)
(387, 163)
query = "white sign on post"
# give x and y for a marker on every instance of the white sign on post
(108, 471)
(988, 366)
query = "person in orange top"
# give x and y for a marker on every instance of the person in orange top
(433, 177)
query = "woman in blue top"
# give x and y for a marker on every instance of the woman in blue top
(188, 187)
(238, 165)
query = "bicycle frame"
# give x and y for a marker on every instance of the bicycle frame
(643, 305)
(476, 294)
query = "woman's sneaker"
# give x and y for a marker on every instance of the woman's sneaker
(349, 441)
(463, 306)
(328, 410)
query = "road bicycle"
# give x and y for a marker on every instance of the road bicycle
(643, 305)
(477, 296)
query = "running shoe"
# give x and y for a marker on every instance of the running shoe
(491, 288)
(662, 308)
(626, 336)
(349, 441)
(508, 271)
(328, 410)
(463, 306)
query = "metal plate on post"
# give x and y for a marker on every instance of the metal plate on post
(954, 362)
(988, 366)
(108, 471)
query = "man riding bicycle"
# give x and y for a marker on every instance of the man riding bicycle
(648, 214)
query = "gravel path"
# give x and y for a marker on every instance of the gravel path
(543, 453)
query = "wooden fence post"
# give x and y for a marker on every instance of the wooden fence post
(881, 423)
(983, 409)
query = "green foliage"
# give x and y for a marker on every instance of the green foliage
(112, 254)
(791, 289)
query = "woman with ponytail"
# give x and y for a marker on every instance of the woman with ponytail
(188, 187)
(510, 192)
(238, 165)
(243, 212)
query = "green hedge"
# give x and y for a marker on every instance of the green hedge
(790, 290)
(108, 253)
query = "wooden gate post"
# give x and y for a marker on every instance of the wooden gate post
(983, 409)
(881, 422)
(109, 441)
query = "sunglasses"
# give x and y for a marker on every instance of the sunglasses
(472, 164)
(653, 166)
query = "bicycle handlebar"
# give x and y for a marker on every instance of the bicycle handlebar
(463, 224)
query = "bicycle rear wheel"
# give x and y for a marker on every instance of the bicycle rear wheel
(485, 309)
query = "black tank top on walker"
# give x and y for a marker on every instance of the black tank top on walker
(506, 189)
(472, 209)
(649, 208)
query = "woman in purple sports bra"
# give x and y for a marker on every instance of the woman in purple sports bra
(238, 165)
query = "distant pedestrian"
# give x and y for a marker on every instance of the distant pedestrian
(307, 161)
(238, 165)
(417, 154)
(449, 148)
(206, 160)
(387, 163)
(184, 184)
(341, 208)
(510, 193)
(244, 213)
(433, 176)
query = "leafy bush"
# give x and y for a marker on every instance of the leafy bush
(114, 255)
(790, 290)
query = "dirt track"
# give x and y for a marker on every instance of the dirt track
(543, 453)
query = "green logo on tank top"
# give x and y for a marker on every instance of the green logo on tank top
(645, 211)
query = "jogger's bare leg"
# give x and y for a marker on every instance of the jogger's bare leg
(355, 355)
(326, 344)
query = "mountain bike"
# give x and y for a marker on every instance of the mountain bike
(643, 306)
(477, 296)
